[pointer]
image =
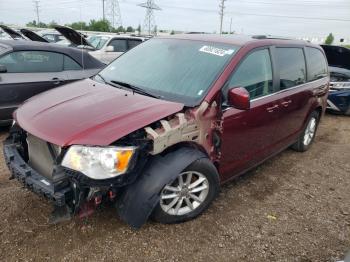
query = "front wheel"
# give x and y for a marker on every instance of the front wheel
(307, 137)
(189, 194)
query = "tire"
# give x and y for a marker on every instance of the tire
(347, 113)
(303, 143)
(200, 170)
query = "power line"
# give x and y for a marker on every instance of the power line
(149, 18)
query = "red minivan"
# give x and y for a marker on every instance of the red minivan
(163, 126)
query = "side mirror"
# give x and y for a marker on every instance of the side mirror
(3, 69)
(109, 48)
(238, 97)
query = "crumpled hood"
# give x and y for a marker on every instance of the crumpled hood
(90, 113)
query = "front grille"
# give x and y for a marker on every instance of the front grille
(41, 155)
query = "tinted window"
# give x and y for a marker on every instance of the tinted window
(70, 64)
(32, 61)
(254, 74)
(316, 64)
(291, 64)
(119, 45)
(133, 43)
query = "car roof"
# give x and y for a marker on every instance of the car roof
(239, 40)
(79, 55)
(116, 35)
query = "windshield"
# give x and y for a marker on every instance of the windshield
(97, 41)
(176, 70)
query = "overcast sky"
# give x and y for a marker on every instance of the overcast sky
(278, 17)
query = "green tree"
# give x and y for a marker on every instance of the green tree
(99, 25)
(31, 24)
(120, 29)
(172, 32)
(139, 29)
(130, 29)
(329, 39)
(42, 25)
(52, 24)
(78, 25)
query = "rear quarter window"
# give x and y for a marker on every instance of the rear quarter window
(70, 64)
(316, 64)
(291, 65)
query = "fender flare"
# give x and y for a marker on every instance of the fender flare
(137, 201)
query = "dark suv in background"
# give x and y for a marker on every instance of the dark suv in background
(159, 129)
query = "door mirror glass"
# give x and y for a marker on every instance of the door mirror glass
(109, 48)
(238, 97)
(3, 69)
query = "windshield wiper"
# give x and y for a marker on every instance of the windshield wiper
(136, 89)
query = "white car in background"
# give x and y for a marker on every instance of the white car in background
(109, 47)
(104, 47)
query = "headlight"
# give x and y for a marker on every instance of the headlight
(99, 162)
(340, 85)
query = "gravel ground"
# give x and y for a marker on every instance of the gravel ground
(295, 207)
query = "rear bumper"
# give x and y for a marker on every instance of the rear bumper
(32, 179)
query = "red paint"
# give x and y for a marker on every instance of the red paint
(238, 97)
(89, 113)
(96, 114)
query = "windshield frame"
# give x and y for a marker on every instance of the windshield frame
(173, 97)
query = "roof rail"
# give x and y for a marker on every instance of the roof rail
(271, 37)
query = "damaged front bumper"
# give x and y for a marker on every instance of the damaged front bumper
(70, 192)
(58, 192)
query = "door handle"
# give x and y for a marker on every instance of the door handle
(57, 81)
(286, 103)
(272, 108)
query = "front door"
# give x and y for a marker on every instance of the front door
(28, 73)
(248, 135)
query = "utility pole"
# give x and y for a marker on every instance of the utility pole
(36, 5)
(231, 26)
(221, 13)
(149, 22)
(103, 10)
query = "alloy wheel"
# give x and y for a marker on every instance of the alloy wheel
(185, 194)
(310, 131)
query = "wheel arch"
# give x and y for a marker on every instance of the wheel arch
(137, 201)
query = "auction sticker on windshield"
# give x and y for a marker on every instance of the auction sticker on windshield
(216, 51)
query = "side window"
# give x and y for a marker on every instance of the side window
(70, 64)
(32, 62)
(133, 43)
(254, 74)
(50, 38)
(119, 45)
(291, 64)
(316, 64)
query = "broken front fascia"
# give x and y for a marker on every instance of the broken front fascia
(198, 125)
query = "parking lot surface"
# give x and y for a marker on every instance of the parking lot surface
(295, 207)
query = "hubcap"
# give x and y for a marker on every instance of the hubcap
(310, 131)
(185, 194)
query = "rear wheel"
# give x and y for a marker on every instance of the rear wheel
(347, 113)
(307, 137)
(189, 194)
